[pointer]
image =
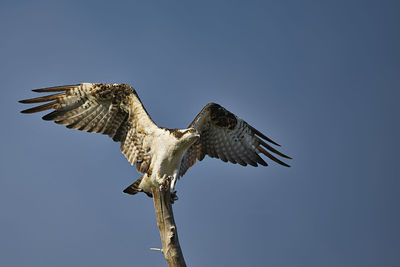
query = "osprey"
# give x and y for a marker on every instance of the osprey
(158, 152)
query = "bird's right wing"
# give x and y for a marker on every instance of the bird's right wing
(111, 109)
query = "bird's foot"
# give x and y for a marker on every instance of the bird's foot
(174, 197)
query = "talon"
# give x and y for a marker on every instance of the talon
(163, 182)
(174, 197)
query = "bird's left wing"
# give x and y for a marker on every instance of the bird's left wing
(225, 136)
(111, 109)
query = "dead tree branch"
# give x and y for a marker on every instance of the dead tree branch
(166, 224)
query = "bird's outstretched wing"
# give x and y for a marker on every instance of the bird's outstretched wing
(225, 136)
(111, 109)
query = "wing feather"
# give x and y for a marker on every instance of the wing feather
(111, 109)
(225, 136)
(221, 147)
(227, 146)
(44, 107)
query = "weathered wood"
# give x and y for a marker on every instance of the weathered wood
(166, 224)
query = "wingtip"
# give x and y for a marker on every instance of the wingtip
(44, 90)
(55, 88)
(270, 140)
(284, 155)
(260, 134)
(285, 164)
(25, 111)
(44, 107)
(40, 90)
(263, 163)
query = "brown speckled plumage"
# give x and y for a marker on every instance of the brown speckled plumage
(116, 110)
(225, 136)
(101, 108)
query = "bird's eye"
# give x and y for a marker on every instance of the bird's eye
(192, 130)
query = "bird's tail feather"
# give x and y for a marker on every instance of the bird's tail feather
(134, 188)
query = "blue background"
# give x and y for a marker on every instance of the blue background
(319, 77)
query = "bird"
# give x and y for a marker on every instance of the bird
(159, 153)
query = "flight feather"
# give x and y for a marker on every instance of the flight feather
(225, 136)
(116, 110)
(111, 109)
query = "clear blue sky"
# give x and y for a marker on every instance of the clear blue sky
(322, 78)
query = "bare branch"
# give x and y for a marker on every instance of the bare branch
(166, 224)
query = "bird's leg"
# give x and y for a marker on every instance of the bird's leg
(173, 182)
(174, 197)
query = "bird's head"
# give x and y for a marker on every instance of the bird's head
(191, 135)
(187, 137)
